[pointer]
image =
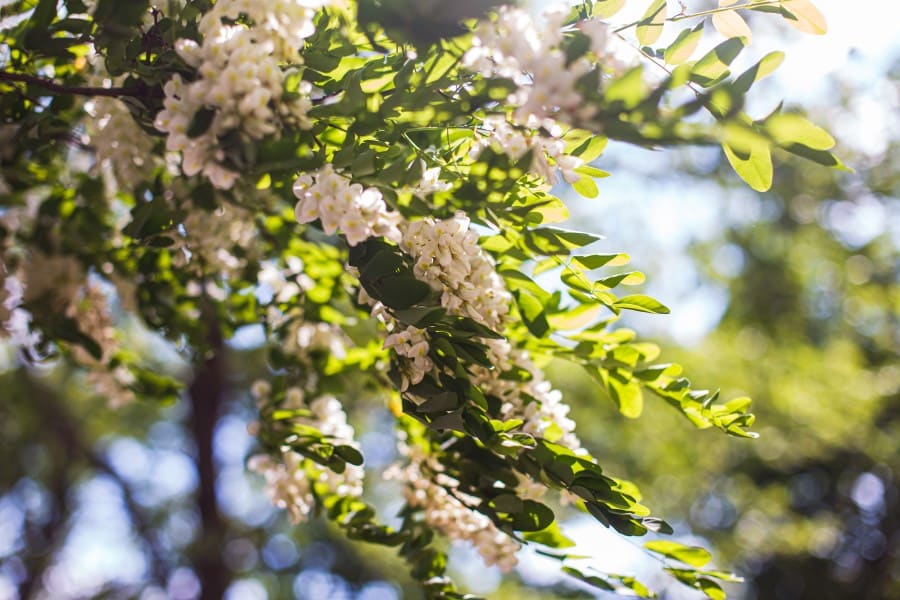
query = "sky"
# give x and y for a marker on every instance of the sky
(643, 207)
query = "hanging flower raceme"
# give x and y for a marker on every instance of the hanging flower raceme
(515, 142)
(241, 84)
(291, 478)
(448, 258)
(515, 47)
(341, 206)
(15, 321)
(449, 510)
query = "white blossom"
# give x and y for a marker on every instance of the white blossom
(289, 476)
(514, 141)
(516, 47)
(448, 258)
(240, 81)
(412, 344)
(449, 510)
(120, 144)
(357, 212)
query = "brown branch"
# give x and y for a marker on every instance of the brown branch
(206, 393)
(75, 90)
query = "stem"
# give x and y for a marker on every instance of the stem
(206, 393)
(74, 90)
(704, 13)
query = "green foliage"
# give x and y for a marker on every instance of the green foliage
(189, 256)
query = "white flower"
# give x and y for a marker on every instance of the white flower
(412, 344)
(449, 510)
(358, 213)
(289, 476)
(240, 80)
(449, 259)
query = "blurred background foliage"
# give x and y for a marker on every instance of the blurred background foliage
(101, 504)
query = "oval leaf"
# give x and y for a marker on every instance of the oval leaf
(691, 555)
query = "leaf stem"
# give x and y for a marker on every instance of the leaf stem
(703, 13)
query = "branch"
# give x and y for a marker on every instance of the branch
(75, 90)
(207, 392)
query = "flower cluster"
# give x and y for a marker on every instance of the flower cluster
(357, 212)
(241, 86)
(411, 344)
(515, 47)
(120, 144)
(534, 401)
(448, 258)
(91, 312)
(289, 476)
(514, 141)
(220, 242)
(15, 320)
(449, 510)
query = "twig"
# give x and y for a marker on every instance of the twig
(74, 90)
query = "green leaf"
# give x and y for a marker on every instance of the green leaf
(684, 45)
(651, 24)
(607, 8)
(691, 555)
(753, 165)
(641, 303)
(595, 261)
(551, 536)
(713, 66)
(587, 187)
(804, 16)
(627, 395)
(591, 148)
(789, 128)
(402, 291)
(592, 580)
(765, 67)
(349, 454)
(532, 311)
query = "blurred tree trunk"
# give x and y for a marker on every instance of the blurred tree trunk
(207, 392)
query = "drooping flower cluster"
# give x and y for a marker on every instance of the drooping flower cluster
(220, 241)
(289, 477)
(535, 401)
(357, 212)
(448, 258)
(514, 141)
(411, 343)
(91, 312)
(60, 283)
(448, 509)
(120, 144)
(15, 320)
(241, 84)
(516, 47)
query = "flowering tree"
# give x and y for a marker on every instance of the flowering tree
(372, 185)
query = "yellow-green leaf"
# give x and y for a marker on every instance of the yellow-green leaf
(788, 128)
(651, 24)
(731, 24)
(607, 8)
(691, 555)
(753, 164)
(806, 17)
(684, 45)
(713, 66)
(765, 67)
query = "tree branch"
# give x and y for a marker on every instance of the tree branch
(75, 90)
(206, 394)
